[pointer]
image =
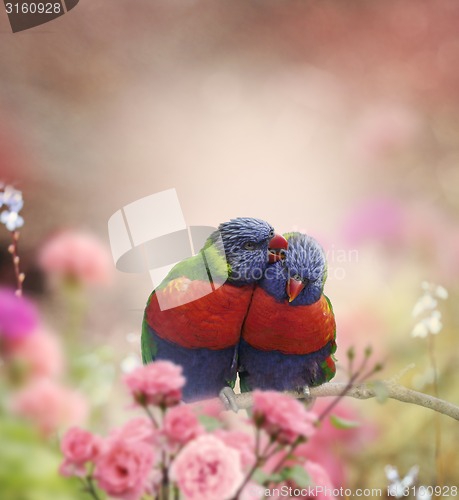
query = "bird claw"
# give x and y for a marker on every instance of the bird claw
(308, 399)
(228, 398)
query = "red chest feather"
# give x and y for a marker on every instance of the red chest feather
(272, 325)
(213, 321)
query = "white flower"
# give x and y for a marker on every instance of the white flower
(426, 307)
(11, 220)
(130, 363)
(391, 473)
(411, 477)
(441, 292)
(12, 198)
(395, 490)
(397, 486)
(420, 330)
(433, 323)
(424, 303)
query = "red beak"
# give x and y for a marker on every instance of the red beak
(276, 248)
(294, 288)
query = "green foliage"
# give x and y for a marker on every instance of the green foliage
(95, 374)
(209, 423)
(351, 353)
(295, 473)
(262, 477)
(29, 465)
(148, 346)
(298, 475)
(342, 423)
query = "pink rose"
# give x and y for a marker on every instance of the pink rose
(77, 255)
(319, 477)
(282, 417)
(207, 469)
(181, 425)
(159, 383)
(123, 468)
(39, 354)
(242, 442)
(50, 405)
(78, 447)
(136, 429)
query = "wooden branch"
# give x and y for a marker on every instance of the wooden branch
(365, 391)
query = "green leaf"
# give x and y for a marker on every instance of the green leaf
(210, 423)
(29, 465)
(380, 390)
(298, 475)
(262, 477)
(342, 423)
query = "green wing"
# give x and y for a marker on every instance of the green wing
(147, 344)
(208, 264)
(331, 309)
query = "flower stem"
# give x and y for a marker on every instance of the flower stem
(338, 398)
(259, 459)
(284, 459)
(13, 250)
(151, 416)
(353, 378)
(176, 493)
(89, 487)
(165, 479)
(438, 466)
(164, 466)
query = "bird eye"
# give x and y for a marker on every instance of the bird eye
(271, 234)
(297, 277)
(249, 245)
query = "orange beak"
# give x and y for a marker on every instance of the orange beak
(294, 288)
(276, 248)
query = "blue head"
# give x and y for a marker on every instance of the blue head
(300, 278)
(249, 245)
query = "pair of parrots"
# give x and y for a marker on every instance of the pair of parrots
(265, 316)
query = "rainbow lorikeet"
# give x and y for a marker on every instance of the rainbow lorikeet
(194, 317)
(288, 338)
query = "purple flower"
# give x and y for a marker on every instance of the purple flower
(18, 316)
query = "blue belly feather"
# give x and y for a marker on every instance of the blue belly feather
(274, 370)
(207, 371)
